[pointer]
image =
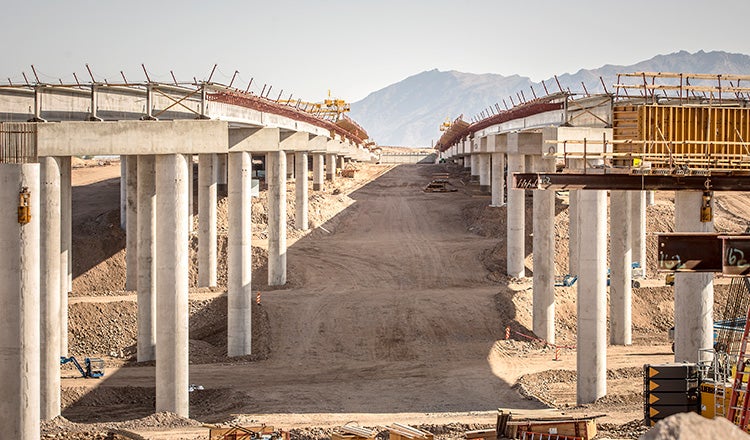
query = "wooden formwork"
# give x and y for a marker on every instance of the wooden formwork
(696, 137)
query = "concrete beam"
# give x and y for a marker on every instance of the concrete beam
(294, 141)
(254, 139)
(131, 137)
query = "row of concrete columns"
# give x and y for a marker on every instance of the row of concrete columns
(588, 258)
(37, 268)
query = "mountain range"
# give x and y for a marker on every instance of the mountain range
(409, 112)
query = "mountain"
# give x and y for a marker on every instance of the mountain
(410, 112)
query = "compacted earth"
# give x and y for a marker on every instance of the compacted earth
(395, 311)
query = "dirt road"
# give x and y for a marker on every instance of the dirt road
(392, 317)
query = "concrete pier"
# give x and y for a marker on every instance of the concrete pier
(221, 169)
(207, 198)
(331, 167)
(49, 289)
(123, 190)
(591, 353)
(146, 340)
(191, 192)
(620, 257)
(516, 212)
(638, 225)
(693, 292)
(66, 246)
(276, 172)
(544, 257)
(131, 223)
(300, 192)
(484, 172)
(474, 166)
(239, 258)
(574, 229)
(289, 166)
(318, 171)
(19, 301)
(172, 285)
(498, 179)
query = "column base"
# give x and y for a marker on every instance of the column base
(502, 205)
(484, 188)
(317, 187)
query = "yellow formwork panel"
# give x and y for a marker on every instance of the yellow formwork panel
(695, 136)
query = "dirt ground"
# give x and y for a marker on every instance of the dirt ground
(395, 311)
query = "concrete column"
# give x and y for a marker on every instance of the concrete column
(146, 343)
(131, 224)
(474, 166)
(544, 257)
(289, 166)
(498, 179)
(516, 212)
(693, 292)
(66, 246)
(123, 190)
(331, 167)
(318, 171)
(19, 301)
(207, 184)
(172, 285)
(191, 184)
(300, 191)
(221, 170)
(638, 225)
(484, 172)
(650, 195)
(49, 290)
(466, 162)
(574, 232)
(591, 352)
(277, 218)
(239, 258)
(620, 258)
(341, 162)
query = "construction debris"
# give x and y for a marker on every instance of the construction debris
(397, 431)
(353, 432)
(439, 183)
(543, 425)
(349, 170)
(236, 432)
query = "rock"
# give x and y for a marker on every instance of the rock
(691, 426)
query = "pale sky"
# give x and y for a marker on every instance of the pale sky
(352, 47)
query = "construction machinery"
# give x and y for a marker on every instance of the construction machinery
(717, 385)
(566, 280)
(93, 367)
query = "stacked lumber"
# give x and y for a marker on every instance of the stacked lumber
(397, 431)
(353, 432)
(544, 424)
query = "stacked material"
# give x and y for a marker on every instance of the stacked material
(397, 431)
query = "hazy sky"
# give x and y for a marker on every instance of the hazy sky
(352, 47)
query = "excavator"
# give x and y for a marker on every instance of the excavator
(94, 367)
